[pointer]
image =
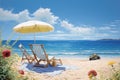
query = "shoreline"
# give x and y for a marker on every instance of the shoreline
(86, 57)
(76, 56)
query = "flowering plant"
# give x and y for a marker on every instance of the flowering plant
(111, 63)
(7, 72)
(92, 74)
(6, 53)
(115, 72)
(21, 72)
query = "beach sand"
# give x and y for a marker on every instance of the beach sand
(83, 66)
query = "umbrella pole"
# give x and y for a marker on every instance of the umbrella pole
(0, 37)
(34, 38)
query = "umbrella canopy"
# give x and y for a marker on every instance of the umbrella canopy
(33, 27)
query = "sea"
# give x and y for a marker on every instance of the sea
(72, 48)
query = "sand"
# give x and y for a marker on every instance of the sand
(83, 66)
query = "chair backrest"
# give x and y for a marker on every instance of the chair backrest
(39, 51)
(23, 50)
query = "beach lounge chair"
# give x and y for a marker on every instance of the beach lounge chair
(25, 54)
(41, 55)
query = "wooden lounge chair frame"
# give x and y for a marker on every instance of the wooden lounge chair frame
(39, 60)
(25, 54)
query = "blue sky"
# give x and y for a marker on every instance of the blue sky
(72, 19)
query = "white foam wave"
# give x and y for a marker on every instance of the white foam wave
(63, 53)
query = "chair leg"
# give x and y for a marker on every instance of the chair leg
(60, 61)
(29, 60)
(33, 60)
(36, 65)
(21, 59)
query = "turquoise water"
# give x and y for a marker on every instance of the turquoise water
(74, 48)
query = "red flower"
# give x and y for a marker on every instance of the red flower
(92, 72)
(21, 72)
(6, 53)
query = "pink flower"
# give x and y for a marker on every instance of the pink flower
(21, 72)
(6, 53)
(92, 73)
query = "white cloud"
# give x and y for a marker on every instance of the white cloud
(77, 29)
(45, 15)
(69, 30)
(23, 16)
(42, 14)
(59, 31)
(91, 32)
(105, 28)
(71, 36)
(58, 36)
(115, 32)
(7, 15)
(66, 25)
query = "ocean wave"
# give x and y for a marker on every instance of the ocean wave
(18, 50)
(76, 52)
(84, 53)
(108, 52)
(63, 53)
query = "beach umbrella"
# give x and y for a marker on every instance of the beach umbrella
(33, 27)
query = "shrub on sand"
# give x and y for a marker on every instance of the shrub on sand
(115, 72)
(6, 61)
